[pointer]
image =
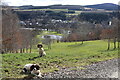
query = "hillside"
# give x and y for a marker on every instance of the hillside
(106, 6)
(69, 7)
(62, 55)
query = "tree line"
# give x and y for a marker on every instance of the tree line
(14, 37)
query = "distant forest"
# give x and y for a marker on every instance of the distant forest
(92, 17)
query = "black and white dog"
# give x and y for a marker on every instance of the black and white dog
(41, 50)
(33, 69)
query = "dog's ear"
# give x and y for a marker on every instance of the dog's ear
(24, 70)
(38, 45)
(32, 67)
(37, 67)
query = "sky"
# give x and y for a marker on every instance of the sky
(51, 2)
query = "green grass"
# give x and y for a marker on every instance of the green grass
(48, 33)
(55, 10)
(69, 54)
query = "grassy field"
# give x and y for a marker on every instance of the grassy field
(69, 54)
(55, 10)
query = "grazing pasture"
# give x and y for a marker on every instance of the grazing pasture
(62, 55)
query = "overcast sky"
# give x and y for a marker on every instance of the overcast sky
(51, 2)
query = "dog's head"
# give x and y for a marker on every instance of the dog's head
(34, 67)
(39, 45)
(35, 70)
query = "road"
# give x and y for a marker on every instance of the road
(105, 69)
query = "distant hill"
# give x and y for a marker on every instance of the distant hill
(106, 6)
(69, 7)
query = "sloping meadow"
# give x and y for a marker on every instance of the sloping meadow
(62, 55)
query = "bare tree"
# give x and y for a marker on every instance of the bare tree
(107, 34)
(83, 30)
(14, 37)
(47, 41)
(115, 29)
(10, 26)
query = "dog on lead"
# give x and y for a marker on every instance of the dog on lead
(33, 69)
(41, 50)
